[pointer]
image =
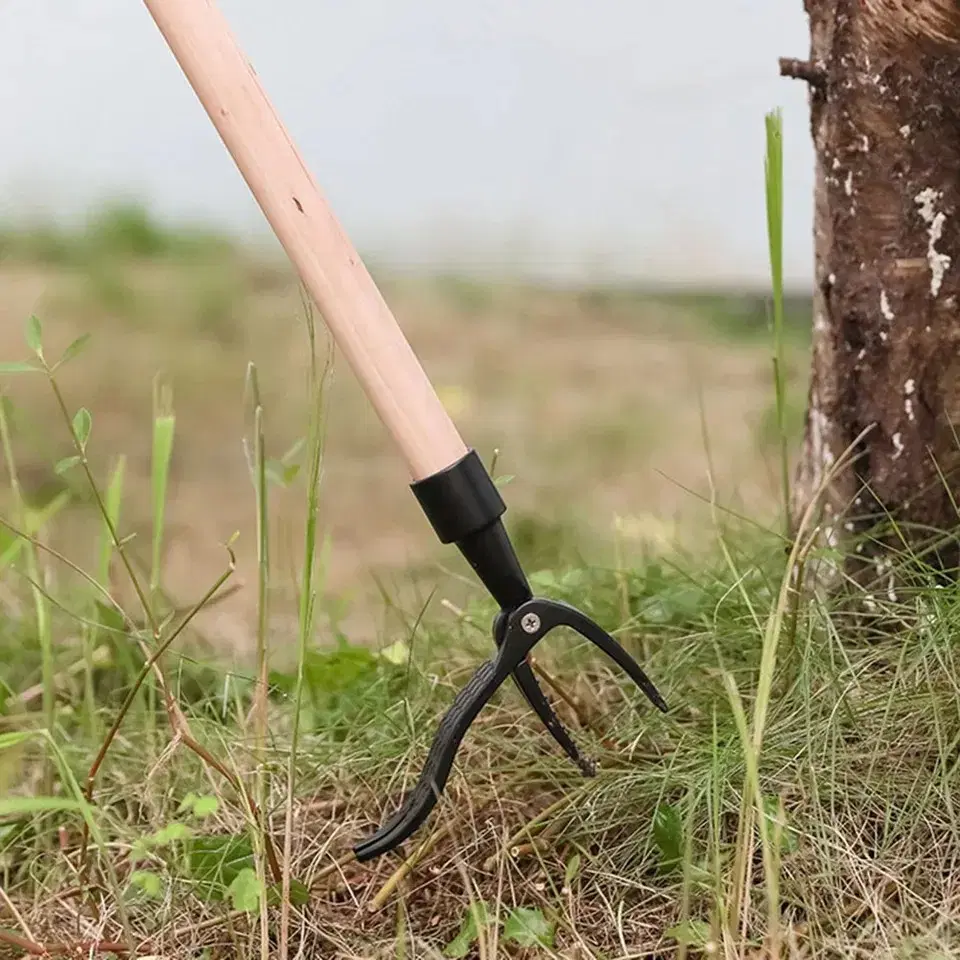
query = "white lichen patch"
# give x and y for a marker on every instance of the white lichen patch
(909, 388)
(905, 130)
(939, 262)
(885, 309)
(898, 446)
(883, 335)
(822, 429)
(821, 456)
(848, 184)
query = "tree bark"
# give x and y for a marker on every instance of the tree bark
(884, 86)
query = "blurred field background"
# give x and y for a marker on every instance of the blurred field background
(619, 412)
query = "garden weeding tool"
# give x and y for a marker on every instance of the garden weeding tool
(453, 487)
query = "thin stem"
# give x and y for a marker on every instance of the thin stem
(108, 522)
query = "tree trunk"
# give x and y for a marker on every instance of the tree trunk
(884, 82)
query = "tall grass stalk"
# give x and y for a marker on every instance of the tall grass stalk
(773, 168)
(164, 428)
(308, 593)
(258, 464)
(112, 503)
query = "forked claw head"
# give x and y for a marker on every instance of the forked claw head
(555, 613)
(516, 634)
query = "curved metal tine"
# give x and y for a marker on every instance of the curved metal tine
(571, 617)
(525, 679)
(421, 800)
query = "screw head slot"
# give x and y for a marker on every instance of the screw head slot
(530, 623)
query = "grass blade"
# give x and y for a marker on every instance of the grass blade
(773, 168)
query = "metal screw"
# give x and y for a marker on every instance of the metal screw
(530, 623)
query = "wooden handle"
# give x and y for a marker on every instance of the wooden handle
(354, 310)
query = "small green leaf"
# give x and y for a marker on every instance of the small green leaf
(299, 893)
(668, 835)
(280, 473)
(149, 883)
(777, 821)
(34, 335)
(474, 922)
(573, 868)
(528, 927)
(205, 806)
(82, 423)
(109, 618)
(74, 349)
(397, 653)
(691, 933)
(66, 465)
(18, 366)
(170, 834)
(245, 890)
(214, 862)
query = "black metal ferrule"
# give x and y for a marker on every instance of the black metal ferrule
(464, 507)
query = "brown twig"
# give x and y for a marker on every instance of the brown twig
(79, 948)
(805, 70)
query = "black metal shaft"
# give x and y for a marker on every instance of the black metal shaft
(464, 507)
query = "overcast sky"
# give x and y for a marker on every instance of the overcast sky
(572, 137)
